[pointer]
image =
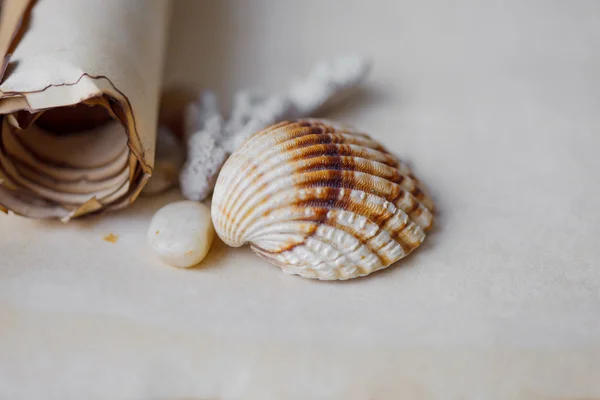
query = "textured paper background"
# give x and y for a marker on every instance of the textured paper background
(496, 104)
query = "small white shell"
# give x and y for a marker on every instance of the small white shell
(320, 200)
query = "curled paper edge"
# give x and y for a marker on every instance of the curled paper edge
(88, 89)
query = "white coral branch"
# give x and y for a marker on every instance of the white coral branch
(205, 152)
(328, 84)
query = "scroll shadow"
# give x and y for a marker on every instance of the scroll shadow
(355, 102)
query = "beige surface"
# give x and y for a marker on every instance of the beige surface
(497, 107)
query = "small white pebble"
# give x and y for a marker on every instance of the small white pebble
(181, 233)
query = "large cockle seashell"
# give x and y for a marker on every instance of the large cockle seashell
(320, 200)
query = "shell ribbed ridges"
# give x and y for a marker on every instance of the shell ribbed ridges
(320, 200)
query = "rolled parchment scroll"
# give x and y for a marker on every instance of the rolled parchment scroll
(79, 98)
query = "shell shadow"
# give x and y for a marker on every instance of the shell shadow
(354, 102)
(213, 260)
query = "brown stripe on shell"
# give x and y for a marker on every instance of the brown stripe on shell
(331, 162)
(317, 146)
(318, 150)
(317, 198)
(359, 164)
(366, 183)
(330, 199)
(289, 131)
(254, 170)
(320, 214)
(337, 127)
(331, 221)
(295, 130)
(299, 139)
(336, 179)
(329, 137)
(263, 145)
(289, 134)
(409, 237)
(365, 241)
(415, 210)
(351, 180)
(303, 153)
(376, 215)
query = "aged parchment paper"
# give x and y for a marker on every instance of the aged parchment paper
(105, 58)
